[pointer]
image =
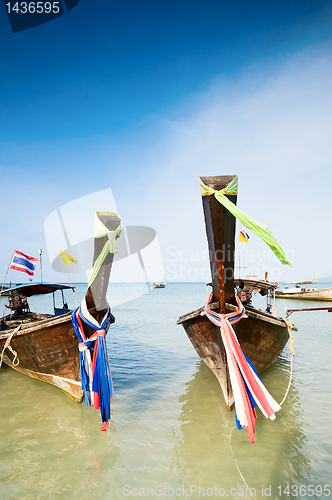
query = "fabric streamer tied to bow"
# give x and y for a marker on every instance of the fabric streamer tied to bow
(96, 377)
(109, 247)
(256, 227)
(248, 389)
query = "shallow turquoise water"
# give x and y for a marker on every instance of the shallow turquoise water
(169, 429)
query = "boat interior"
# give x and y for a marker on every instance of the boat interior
(16, 310)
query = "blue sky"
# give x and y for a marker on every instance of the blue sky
(143, 97)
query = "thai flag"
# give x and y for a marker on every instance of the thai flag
(24, 263)
(244, 237)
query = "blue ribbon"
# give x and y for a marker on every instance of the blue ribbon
(102, 378)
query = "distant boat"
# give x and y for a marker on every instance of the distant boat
(300, 291)
(45, 346)
(159, 285)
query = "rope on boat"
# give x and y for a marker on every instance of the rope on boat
(290, 327)
(237, 465)
(7, 345)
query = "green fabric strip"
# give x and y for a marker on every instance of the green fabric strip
(109, 247)
(256, 227)
(231, 187)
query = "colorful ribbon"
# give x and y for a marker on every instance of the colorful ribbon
(261, 230)
(109, 247)
(96, 377)
(248, 389)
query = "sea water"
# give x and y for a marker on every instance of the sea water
(170, 435)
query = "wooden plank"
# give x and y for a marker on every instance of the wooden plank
(290, 311)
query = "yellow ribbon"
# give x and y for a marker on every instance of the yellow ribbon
(230, 189)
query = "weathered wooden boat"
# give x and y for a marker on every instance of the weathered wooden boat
(45, 346)
(42, 346)
(261, 335)
(300, 291)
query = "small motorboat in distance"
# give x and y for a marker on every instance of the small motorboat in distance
(159, 285)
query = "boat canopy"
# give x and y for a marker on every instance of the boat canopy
(252, 283)
(256, 284)
(35, 288)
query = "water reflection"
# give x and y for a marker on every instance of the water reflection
(46, 436)
(168, 425)
(276, 458)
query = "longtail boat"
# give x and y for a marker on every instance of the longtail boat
(45, 346)
(301, 291)
(261, 335)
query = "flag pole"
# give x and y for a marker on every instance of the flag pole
(40, 265)
(10, 262)
(72, 288)
(239, 259)
(68, 259)
(240, 251)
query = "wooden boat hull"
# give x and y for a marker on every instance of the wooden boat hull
(261, 336)
(48, 351)
(323, 294)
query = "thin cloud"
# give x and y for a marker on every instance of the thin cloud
(270, 124)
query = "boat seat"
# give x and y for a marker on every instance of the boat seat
(58, 311)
